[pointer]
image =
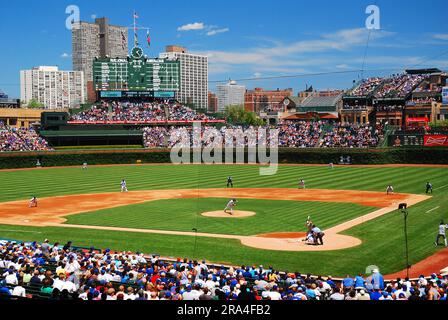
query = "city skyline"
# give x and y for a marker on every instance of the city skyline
(247, 43)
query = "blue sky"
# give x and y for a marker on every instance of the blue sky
(243, 39)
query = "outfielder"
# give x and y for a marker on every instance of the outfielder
(442, 233)
(84, 165)
(123, 186)
(230, 205)
(301, 184)
(33, 202)
(428, 187)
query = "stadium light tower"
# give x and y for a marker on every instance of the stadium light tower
(403, 207)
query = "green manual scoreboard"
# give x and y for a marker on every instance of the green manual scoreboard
(137, 74)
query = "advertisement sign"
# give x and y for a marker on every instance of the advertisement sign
(445, 95)
(110, 94)
(436, 141)
(164, 94)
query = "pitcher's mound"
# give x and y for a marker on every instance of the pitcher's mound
(222, 214)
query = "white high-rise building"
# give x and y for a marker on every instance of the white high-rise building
(194, 76)
(53, 88)
(230, 94)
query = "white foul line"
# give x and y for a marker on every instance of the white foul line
(433, 209)
(441, 187)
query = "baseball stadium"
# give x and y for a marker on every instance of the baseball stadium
(140, 194)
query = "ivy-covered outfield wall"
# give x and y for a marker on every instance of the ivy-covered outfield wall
(305, 156)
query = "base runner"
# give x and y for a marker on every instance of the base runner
(230, 205)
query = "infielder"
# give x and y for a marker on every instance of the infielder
(123, 186)
(33, 202)
(229, 182)
(389, 189)
(230, 205)
(428, 187)
(442, 233)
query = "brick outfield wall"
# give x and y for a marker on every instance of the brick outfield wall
(294, 156)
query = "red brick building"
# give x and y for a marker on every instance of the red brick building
(212, 102)
(260, 100)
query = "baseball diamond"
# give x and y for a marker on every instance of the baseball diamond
(361, 222)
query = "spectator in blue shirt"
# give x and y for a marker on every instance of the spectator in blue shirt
(359, 281)
(348, 282)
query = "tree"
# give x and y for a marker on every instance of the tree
(33, 103)
(237, 115)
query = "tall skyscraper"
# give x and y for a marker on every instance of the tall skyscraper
(53, 88)
(230, 94)
(194, 76)
(99, 39)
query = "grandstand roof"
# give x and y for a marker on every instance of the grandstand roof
(313, 102)
(423, 71)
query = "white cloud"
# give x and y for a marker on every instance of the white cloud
(257, 74)
(441, 36)
(93, 16)
(342, 66)
(296, 57)
(216, 31)
(191, 26)
(65, 55)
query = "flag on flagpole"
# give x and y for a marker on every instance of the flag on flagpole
(135, 15)
(123, 40)
(148, 38)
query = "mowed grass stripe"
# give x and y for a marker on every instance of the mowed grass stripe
(21, 184)
(185, 214)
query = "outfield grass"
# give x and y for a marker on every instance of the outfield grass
(185, 214)
(383, 239)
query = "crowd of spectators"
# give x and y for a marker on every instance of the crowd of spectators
(21, 139)
(301, 134)
(354, 107)
(62, 272)
(389, 108)
(138, 112)
(351, 136)
(367, 86)
(291, 134)
(421, 101)
(395, 86)
(399, 85)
